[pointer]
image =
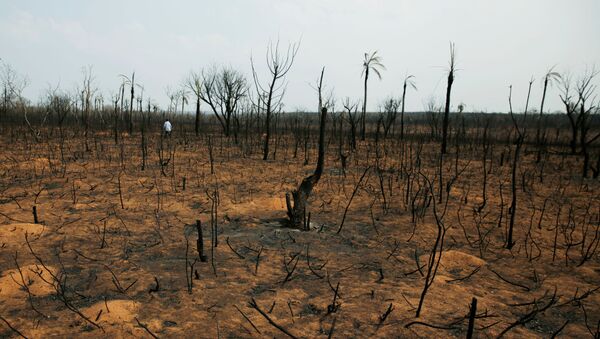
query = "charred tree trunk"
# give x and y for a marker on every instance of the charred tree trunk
(197, 122)
(364, 108)
(353, 133)
(343, 156)
(131, 105)
(513, 205)
(538, 139)
(574, 135)
(402, 112)
(116, 123)
(519, 143)
(268, 120)
(4, 104)
(447, 111)
(300, 196)
(447, 107)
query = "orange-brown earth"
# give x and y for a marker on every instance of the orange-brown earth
(113, 282)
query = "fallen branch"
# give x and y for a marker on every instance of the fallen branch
(288, 277)
(145, 327)
(247, 319)
(59, 285)
(13, 219)
(576, 300)
(253, 304)
(332, 328)
(439, 327)
(510, 282)
(310, 267)
(351, 198)
(156, 288)
(384, 316)
(25, 285)
(559, 330)
(257, 260)
(84, 256)
(530, 315)
(334, 305)
(115, 280)
(233, 250)
(466, 277)
(12, 328)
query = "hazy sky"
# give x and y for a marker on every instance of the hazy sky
(497, 42)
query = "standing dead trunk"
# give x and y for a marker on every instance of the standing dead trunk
(574, 136)
(131, 105)
(343, 156)
(407, 81)
(372, 62)
(197, 122)
(364, 108)
(513, 205)
(538, 140)
(268, 119)
(447, 107)
(116, 122)
(122, 109)
(271, 96)
(521, 134)
(4, 103)
(550, 77)
(402, 112)
(300, 196)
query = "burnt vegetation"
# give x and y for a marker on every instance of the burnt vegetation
(336, 224)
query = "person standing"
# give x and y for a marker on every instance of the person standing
(167, 128)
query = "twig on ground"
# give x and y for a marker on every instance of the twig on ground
(510, 282)
(247, 319)
(465, 277)
(253, 304)
(145, 327)
(12, 328)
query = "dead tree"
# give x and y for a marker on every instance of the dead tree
(194, 82)
(409, 82)
(435, 257)
(549, 78)
(12, 87)
(270, 96)
(87, 92)
(390, 107)
(585, 92)
(351, 109)
(116, 113)
(131, 83)
(486, 147)
(566, 97)
(371, 63)
(223, 89)
(59, 105)
(519, 143)
(183, 94)
(297, 211)
(343, 155)
(433, 110)
(448, 91)
(132, 95)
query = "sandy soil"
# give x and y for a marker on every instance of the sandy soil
(106, 270)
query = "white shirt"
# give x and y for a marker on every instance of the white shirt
(167, 126)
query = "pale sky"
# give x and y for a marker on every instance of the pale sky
(498, 43)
